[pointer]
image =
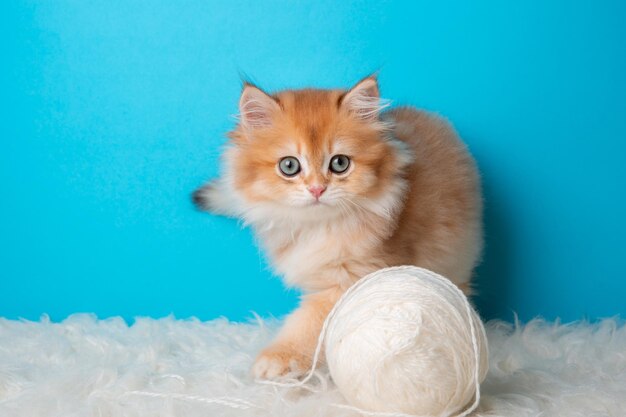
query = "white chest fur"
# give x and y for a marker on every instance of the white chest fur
(319, 256)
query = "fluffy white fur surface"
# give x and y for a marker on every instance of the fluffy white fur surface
(168, 367)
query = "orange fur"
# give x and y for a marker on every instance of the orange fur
(411, 196)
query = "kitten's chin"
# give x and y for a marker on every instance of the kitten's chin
(310, 212)
(315, 211)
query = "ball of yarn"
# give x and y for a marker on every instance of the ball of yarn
(406, 340)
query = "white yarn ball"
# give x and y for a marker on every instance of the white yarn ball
(406, 340)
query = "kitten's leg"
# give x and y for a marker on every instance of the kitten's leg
(292, 350)
(216, 197)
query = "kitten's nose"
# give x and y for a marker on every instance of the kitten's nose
(317, 190)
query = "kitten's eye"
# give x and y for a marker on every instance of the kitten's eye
(289, 166)
(339, 164)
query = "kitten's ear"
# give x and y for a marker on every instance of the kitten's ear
(256, 108)
(364, 100)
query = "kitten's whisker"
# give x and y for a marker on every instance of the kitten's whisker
(358, 206)
(343, 207)
(360, 225)
(379, 209)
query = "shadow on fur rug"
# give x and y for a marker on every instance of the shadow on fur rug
(86, 367)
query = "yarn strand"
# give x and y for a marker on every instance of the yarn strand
(231, 402)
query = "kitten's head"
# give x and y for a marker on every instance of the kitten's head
(313, 154)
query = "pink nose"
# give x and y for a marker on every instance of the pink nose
(317, 190)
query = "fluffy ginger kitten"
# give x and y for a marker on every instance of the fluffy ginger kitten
(335, 188)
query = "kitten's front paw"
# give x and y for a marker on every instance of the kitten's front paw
(278, 361)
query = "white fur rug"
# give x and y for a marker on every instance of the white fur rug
(85, 367)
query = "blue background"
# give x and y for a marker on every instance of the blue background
(114, 111)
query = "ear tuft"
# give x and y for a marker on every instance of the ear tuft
(256, 107)
(364, 100)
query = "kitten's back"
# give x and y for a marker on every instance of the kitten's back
(440, 227)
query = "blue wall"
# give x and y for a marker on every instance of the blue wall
(113, 111)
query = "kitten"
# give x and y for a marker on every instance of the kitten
(335, 188)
